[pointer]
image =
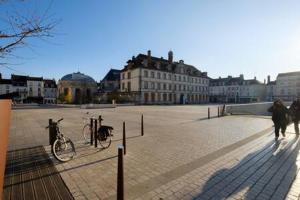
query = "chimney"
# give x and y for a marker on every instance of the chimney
(242, 76)
(264, 81)
(148, 57)
(254, 77)
(269, 79)
(170, 57)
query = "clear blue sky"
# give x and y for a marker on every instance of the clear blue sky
(254, 37)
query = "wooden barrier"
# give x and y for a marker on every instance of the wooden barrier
(5, 108)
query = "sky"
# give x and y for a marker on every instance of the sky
(223, 37)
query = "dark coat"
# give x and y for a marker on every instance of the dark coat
(279, 113)
(295, 110)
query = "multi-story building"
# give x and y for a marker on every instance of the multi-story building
(151, 80)
(5, 86)
(111, 81)
(288, 86)
(236, 90)
(19, 84)
(225, 89)
(50, 91)
(35, 88)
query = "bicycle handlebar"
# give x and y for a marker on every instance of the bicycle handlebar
(60, 120)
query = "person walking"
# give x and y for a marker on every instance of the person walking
(295, 113)
(279, 117)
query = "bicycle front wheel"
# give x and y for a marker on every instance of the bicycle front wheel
(63, 149)
(86, 132)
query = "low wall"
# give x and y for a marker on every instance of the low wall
(5, 108)
(251, 109)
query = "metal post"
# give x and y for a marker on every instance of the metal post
(100, 120)
(218, 111)
(208, 113)
(51, 141)
(91, 130)
(95, 133)
(142, 125)
(120, 179)
(124, 138)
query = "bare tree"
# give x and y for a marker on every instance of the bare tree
(21, 28)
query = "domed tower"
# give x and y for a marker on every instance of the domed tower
(170, 56)
(76, 88)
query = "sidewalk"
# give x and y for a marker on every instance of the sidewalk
(254, 168)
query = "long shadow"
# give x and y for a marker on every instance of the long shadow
(266, 173)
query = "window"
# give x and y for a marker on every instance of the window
(158, 86)
(184, 78)
(165, 76)
(179, 78)
(146, 74)
(145, 85)
(129, 75)
(123, 86)
(152, 74)
(152, 85)
(169, 76)
(158, 75)
(129, 86)
(170, 87)
(165, 86)
(123, 75)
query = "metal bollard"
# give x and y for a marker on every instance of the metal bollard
(120, 179)
(124, 138)
(100, 120)
(52, 132)
(208, 113)
(95, 133)
(142, 125)
(91, 131)
(218, 111)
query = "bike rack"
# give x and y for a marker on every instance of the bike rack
(93, 131)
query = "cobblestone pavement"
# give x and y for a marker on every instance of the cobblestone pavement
(181, 156)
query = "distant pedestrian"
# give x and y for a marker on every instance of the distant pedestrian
(279, 117)
(295, 113)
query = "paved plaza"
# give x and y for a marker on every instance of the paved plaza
(181, 156)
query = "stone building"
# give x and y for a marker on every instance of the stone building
(236, 90)
(35, 88)
(77, 88)
(152, 80)
(111, 81)
(50, 91)
(287, 86)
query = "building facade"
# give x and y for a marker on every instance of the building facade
(287, 86)
(77, 88)
(111, 81)
(50, 91)
(236, 90)
(151, 80)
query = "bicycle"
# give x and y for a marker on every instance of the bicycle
(86, 131)
(104, 133)
(63, 148)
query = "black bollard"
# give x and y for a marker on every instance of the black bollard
(91, 130)
(218, 111)
(52, 135)
(100, 120)
(142, 125)
(208, 113)
(120, 179)
(124, 138)
(95, 133)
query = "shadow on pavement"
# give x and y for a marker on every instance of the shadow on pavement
(266, 173)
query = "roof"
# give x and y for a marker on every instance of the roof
(162, 65)
(227, 81)
(77, 77)
(5, 81)
(112, 75)
(272, 83)
(49, 83)
(30, 78)
(297, 73)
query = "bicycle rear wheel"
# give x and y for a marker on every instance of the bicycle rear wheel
(63, 149)
(104, 138)
(86, 132)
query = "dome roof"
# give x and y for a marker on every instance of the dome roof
(78, 77)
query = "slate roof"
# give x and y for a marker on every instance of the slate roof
(297, 73)
(77, 77)
(5, 81)
(112, 75)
